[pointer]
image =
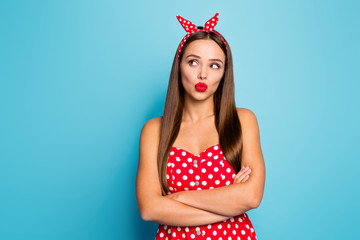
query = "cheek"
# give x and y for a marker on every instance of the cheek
(221, 74)
(187, 76)
(218, 77)
(216, 85)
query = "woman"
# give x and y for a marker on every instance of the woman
(202, 142)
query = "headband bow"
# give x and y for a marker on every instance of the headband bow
(190, 28)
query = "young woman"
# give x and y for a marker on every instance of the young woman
(200, 165)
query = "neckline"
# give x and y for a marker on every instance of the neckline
(199, 153)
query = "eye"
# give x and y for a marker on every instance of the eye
(216, 66)
(192, 62)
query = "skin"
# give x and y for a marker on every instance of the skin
(195, 67)
(198, 132)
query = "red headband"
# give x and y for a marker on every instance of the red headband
(190, 28)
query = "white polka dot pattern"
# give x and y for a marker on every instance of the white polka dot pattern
(208, 170)
(190, 28)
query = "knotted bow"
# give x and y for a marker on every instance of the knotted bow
(190, 28)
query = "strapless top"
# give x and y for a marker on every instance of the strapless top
(207, 170)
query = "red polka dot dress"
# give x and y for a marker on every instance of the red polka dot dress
(208, 170)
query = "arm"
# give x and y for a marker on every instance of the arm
(235, 199)
(152, 205)
(170, 212)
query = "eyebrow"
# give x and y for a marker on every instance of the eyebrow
(196, 56)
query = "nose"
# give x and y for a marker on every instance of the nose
(203, 73)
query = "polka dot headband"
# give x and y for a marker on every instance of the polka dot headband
(190, 28)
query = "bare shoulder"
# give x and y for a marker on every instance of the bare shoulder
(249, 123)
(152, 126)
(246, 116)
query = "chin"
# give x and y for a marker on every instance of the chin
(200, 96)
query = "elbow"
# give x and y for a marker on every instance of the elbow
(149, 210)
(255, 201)
(145, 214)
(146, 210)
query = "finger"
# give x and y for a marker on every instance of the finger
(239, 179)
(246, 178)
(242, 179)
(243, 176)
(243, 172)
(239, 175)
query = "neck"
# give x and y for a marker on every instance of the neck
(195, 110)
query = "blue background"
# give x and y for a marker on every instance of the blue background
(78, 80)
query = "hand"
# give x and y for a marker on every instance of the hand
(242, 175)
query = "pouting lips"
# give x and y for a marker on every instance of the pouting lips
(201, 86)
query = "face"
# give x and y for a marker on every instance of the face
(202, 67)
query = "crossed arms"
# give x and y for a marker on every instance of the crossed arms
(194, 208)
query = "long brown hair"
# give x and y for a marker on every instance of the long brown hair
(226, 118)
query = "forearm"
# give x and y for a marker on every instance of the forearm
(174, 213)
(229, 200)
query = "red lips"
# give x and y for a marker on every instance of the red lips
(201, 87)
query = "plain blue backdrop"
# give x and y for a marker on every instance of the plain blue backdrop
(78, 79)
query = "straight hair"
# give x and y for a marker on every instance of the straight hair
(227, 121)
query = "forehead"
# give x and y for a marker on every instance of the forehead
(205, 48)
